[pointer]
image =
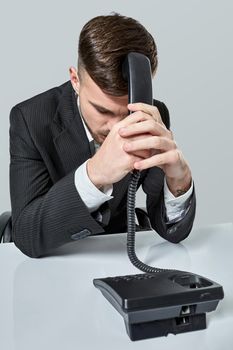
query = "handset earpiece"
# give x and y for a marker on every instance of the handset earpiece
(136, 70)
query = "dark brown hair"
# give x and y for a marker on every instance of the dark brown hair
(103, 44)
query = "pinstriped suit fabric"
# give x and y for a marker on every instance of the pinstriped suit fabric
(47, 144)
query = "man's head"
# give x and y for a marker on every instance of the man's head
(104, 43)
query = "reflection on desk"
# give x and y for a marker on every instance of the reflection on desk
(51, 302)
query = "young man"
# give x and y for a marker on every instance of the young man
(73, 148)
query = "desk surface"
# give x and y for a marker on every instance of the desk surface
(51, 303)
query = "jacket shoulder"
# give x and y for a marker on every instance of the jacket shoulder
(48, 97)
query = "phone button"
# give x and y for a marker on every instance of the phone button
(81, 234)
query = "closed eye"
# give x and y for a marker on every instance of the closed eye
(100, 110)
(104, 111)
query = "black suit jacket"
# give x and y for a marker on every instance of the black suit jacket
(47, 144)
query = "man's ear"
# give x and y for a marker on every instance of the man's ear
(74, 79)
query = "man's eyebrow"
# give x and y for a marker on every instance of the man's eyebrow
(101, 108)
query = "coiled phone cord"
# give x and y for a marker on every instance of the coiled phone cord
(132, 227)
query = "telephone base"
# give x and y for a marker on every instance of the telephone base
(155, 305)
(159, 328)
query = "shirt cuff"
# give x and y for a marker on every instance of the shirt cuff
(176, 207)
(90, 194)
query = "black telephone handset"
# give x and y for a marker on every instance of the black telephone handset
(160, 301)
(136, 70)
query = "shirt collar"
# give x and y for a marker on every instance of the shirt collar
(89, 136)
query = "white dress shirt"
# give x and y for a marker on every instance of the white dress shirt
(176, 207)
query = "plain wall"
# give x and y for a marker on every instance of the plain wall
(39, 42)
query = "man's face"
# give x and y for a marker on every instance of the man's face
(99, 110)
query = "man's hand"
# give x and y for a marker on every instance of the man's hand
(111, 163)
(161, 146)
(140, 141)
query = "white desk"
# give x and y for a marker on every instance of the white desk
(51, 303)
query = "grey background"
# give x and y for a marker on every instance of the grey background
(39, 42)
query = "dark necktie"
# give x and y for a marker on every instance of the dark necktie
(92, 147)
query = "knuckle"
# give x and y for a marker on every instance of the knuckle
(170, 134)
(141, 114)
(175, 145)
(152, 123)
(157, 142)
(176, 155)
(157, 113)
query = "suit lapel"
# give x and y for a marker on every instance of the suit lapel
(69, 135)
(72, 144)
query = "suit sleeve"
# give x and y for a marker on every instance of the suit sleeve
(153, 186)
(44, 215)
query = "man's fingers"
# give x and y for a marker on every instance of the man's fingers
(159, 160)
(147, 126)
(134, 118)
(148, 109)
(153, 143)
